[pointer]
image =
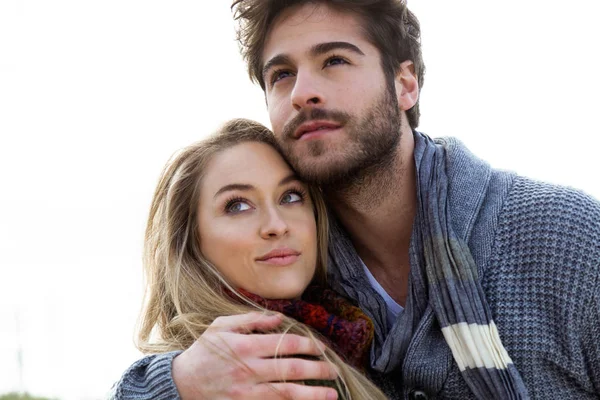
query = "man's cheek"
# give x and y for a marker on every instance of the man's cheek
(278, 117)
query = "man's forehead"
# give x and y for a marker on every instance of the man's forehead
(317, 20)
(307, 12)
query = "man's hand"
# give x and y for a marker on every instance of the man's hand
(227, 363)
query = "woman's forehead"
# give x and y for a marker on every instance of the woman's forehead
(248, 163)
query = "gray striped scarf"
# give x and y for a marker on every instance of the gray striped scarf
(455, 292)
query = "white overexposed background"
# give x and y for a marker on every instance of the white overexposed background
(96, 95)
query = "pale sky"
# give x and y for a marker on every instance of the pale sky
(96, 95)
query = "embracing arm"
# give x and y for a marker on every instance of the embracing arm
(147, 379)
(227, 362)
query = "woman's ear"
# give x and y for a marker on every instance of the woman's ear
(407, 86)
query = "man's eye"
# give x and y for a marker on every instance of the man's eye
(236, 207)
(279, 75)
(291, 197)
(335, 61)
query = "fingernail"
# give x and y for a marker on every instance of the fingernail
(332, 395)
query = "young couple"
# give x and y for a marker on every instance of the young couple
(471, 283)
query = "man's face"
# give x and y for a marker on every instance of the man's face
(330, 106)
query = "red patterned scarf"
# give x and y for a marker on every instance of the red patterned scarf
(346, 329)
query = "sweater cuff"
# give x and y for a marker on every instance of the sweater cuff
(149, 378)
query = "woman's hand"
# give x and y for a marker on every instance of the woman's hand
(227, 362)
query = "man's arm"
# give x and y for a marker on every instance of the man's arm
(147, 379)
(228, 363)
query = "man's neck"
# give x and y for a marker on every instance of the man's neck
(378, 212)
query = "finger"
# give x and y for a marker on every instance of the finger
(261, 346)
(291, 369)
(244, 323)
(282, 344)
(295, 391)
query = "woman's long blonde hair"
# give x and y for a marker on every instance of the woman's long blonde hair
(184, 292)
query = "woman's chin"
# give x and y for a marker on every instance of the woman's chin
(279, 294)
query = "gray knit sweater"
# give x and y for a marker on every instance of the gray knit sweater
(537, 247)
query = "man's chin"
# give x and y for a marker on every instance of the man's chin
(322, 170)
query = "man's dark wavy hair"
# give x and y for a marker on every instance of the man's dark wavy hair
(389, 25)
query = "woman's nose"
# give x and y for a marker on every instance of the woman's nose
(273, 225)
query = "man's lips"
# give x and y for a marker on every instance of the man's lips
(314, 128)
(280, 257)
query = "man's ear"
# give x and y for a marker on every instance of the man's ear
(407, 86)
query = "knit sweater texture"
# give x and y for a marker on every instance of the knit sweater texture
(537, 248)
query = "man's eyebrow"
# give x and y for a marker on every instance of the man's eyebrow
(246, 187)
(279, 59)
(322, 48)
(316, 50)
(234, 186)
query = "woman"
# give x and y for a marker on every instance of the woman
(231, 230)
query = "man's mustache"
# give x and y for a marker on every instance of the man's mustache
(339, 117)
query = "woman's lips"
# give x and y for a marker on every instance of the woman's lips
(280, 257)
(280, 261)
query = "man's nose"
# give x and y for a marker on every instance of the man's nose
(307, 91)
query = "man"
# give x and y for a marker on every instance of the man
(341, 83)
(482, 284)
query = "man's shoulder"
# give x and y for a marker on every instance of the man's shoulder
(525, 191)
(519, 198)
(539, 201)
(548, 227)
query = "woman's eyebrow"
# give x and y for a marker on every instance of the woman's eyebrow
(246, 187)
(290, 178)
(234, 186)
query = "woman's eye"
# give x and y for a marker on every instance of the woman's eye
(291, 197)
(237, 207)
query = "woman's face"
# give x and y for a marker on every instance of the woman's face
(256, 222)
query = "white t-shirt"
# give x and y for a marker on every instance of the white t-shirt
(393, 308)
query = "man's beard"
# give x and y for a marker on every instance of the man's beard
(371, 144)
